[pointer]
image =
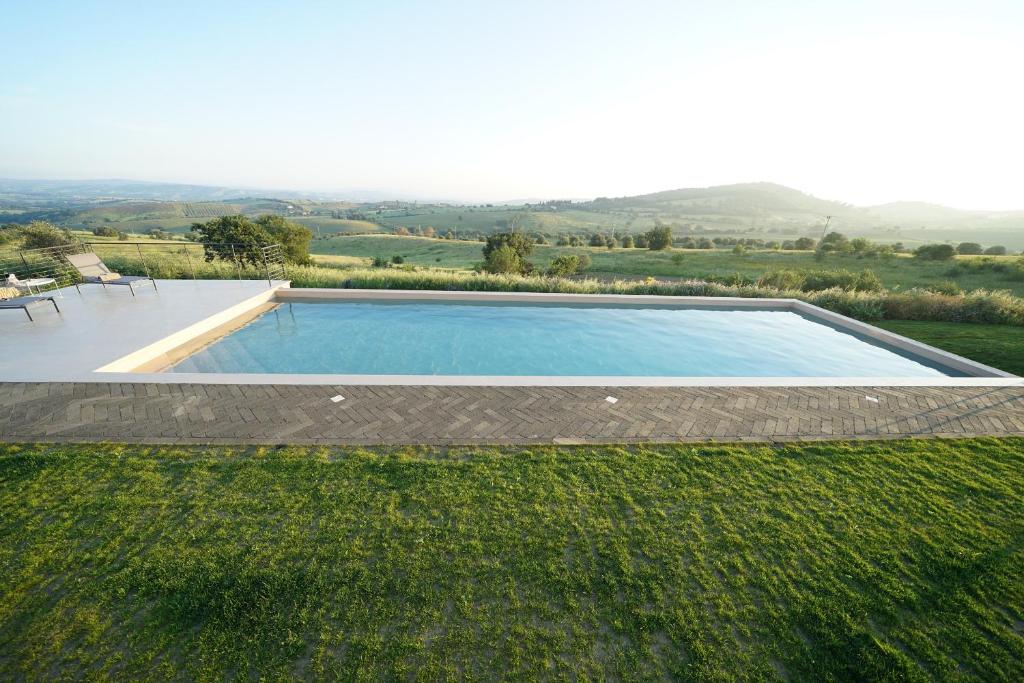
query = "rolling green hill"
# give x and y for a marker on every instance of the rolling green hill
(761, 210)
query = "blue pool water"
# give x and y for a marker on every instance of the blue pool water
(420, 338)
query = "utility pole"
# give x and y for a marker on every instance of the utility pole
(828, 219)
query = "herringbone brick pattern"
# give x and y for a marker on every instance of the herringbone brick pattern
(278, 414)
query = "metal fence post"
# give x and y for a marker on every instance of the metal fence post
(266, 267)
(189, 259)
(142, 258)
(238, 266)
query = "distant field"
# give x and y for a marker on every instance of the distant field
(420, 251)
(902, 272)
(327, 225)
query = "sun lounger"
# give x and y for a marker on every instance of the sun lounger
(10, 299)
(94, 270)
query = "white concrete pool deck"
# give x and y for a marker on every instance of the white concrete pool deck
(106, 335)
(101, 325)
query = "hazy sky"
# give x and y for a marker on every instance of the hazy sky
(859, 101)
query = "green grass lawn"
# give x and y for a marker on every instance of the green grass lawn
(1001, 346)
(882, 560)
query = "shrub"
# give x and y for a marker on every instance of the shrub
(627, 242)
(104, 231)
(739, 250)
(935, 252)
(597, 240)
(678, 259)
(568, 264)
(945, 287)
(781, 279)
(968, 248)
(380, 262)
(867, 281)
(398, 259)
(997, 250)
(805, 243)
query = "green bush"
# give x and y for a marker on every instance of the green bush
(781, 279)
(935, 252)
(568, 264)
(969, 248)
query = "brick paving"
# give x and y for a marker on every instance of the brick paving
(439, 415)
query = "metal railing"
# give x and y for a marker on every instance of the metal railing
(170, 260)
(42, 263)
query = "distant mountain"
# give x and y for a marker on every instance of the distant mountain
(924, 214)
(97, 190)
(81, 191)
(741, 198)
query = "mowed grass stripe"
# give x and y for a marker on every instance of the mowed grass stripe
(898, 560)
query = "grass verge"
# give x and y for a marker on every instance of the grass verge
(899, 560)
(1001, 346)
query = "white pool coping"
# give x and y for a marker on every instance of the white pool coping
(120, 370)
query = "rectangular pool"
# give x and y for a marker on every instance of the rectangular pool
(460, 338)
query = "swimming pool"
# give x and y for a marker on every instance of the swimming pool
(559, 339)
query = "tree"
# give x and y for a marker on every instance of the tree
(997, 250)
(232, 238)
(503, 260)
(659, 238)
(597, 240)
(514, 248)
(158, 234)
(935, 252)
(104, 231)
(293, 237)
(804, 243)
(517, 241)
(834, 243)
(969, 248)
(627, 242)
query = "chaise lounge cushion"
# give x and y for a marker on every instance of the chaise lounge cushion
(9, 292)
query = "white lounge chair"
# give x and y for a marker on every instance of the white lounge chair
(94, 270)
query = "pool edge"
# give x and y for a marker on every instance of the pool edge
(125, 368)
